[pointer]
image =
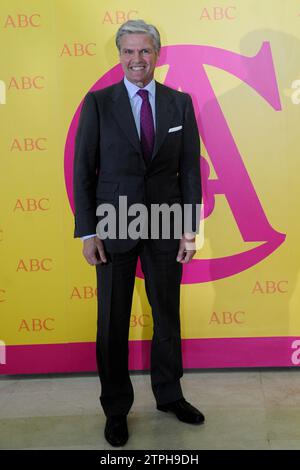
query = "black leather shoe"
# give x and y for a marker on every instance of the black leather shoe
(116, 431)
(184, 411)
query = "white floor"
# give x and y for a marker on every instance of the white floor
(244, 409)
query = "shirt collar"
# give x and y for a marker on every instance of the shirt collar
(133, 89)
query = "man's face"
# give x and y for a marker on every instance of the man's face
(138, 58)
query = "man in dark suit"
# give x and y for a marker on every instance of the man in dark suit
(139, 139)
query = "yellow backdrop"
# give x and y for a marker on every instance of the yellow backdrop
(241, 64)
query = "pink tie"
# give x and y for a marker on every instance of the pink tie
(147, 126)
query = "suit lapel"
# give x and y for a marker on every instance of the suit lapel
(123, 114)
(163, 115)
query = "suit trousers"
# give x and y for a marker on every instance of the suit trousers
(115, 283)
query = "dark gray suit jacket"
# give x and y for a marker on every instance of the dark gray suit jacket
(108, 158)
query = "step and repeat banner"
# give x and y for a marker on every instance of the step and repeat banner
(240, 61)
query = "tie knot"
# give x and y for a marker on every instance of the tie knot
(143, 94)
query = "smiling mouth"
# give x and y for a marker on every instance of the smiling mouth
(137, 68)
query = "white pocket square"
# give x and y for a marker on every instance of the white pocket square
(174, 129)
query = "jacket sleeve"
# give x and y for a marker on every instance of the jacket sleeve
(189, 173)
(86, 167)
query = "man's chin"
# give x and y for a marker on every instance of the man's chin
(139, 81)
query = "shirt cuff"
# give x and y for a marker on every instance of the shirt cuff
(85, 237)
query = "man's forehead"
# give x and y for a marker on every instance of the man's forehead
(136, 39)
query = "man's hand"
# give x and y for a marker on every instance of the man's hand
(187, 248)
(93, 251)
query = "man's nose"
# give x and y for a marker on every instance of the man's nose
(137, 55)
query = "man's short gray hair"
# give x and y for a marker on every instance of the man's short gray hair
(139, 27)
